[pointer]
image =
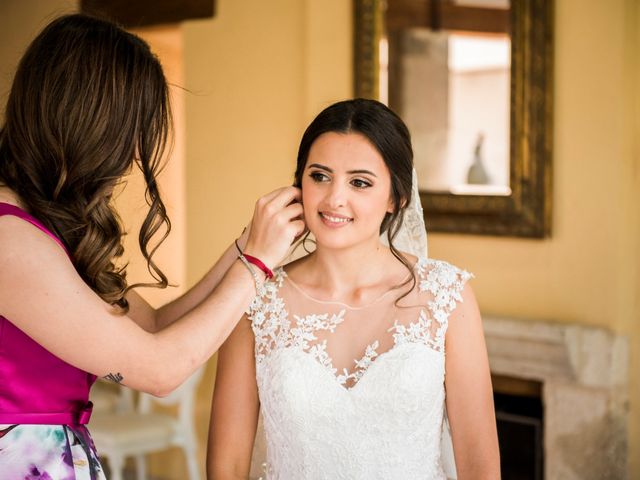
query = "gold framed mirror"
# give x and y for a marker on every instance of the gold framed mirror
(473, 81)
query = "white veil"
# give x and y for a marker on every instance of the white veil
(412, 237)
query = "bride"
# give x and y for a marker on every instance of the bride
(343, 350)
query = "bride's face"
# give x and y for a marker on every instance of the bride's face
(346, 190)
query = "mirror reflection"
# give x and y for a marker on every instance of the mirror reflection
(446, 70)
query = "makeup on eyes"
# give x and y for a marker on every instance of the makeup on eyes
(350, 172)
(318, 176)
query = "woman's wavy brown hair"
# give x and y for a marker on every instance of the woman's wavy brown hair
(88, 100)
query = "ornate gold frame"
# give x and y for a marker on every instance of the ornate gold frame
(527, 211)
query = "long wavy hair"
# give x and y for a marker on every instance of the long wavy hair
(87, 102)
(390, 137)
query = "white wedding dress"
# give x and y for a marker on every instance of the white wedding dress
(355, 392)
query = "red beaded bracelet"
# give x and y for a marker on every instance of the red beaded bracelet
(255, 261)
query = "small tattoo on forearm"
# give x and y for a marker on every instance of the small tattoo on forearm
(114, 377)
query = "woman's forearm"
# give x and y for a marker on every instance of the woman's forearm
(169, 313)
(211, 322)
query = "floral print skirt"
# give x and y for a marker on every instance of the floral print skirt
(48, 452)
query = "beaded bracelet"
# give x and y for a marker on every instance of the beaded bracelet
(255, 261)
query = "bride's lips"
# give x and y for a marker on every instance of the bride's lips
(334, 220)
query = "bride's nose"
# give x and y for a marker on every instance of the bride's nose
(336, 195)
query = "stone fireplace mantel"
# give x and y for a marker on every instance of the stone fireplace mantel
(584, 372)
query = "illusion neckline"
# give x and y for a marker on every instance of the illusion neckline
(343, 304)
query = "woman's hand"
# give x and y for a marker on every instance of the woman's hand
(277, 221)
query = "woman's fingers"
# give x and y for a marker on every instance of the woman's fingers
(281, 197)
(293, 211)
(276, 222)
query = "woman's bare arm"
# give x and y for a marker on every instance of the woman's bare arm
(469, 394)
(234, 411)
(42, 294)
(153, 320)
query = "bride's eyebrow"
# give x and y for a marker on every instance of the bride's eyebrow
(350, 172)
(366, 172)
(321, 167)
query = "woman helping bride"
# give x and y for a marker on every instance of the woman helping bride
(343, 351)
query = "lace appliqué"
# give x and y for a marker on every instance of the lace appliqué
(361, 366)
(272, 327)
(445, 283)
(302, 336)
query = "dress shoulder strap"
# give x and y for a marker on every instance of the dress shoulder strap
(443, 283)
(267, 298)
(8, 209)
(268, 316)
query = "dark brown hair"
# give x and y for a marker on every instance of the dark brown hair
(88, 100)
(391, 138)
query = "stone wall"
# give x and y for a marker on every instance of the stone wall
(585, 392)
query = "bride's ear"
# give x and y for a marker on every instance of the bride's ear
(392, 204)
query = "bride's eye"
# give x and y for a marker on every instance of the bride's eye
(360, 183)
(318, 177)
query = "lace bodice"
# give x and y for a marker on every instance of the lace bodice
(354, 392)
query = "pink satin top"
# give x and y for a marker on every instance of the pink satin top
(36, 387)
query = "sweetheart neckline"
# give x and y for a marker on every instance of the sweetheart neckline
(365, 373)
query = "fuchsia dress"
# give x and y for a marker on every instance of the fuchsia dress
(44, 405)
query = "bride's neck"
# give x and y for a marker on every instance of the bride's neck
(349, 269)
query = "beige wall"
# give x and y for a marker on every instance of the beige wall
(632, 325)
